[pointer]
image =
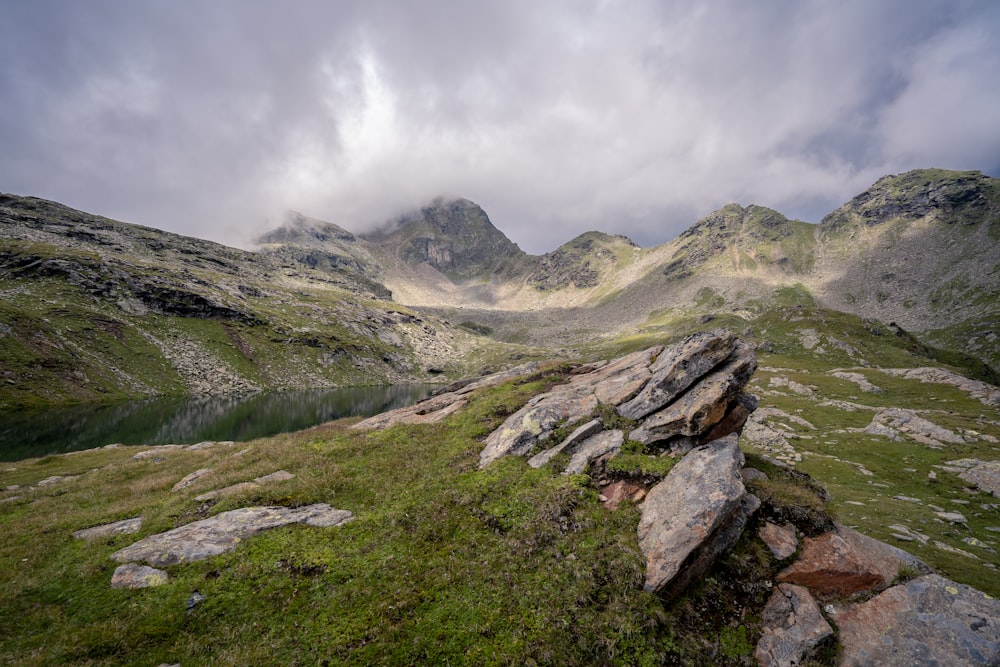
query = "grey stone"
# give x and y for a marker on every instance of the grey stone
(792, 626)
(703, 405)
(578, 435)
(592, 448)
(698, 511)
(132, 575)
(929, 620)
(223, 532)
(123, 527)
(985, 475)
(677, 368)
(278, 476)
(191, 478)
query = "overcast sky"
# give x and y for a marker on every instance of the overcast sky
(211, 118)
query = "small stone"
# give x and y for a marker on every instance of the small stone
(193, 601)
(781, 540)
(132, 575)
(279, 476)
(951, 517)
(753, 475)
(191, 478)
(124, 527)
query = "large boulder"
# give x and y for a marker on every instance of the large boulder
(927, 621)
(696, 513)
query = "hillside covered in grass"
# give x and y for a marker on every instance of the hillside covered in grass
(447, 562)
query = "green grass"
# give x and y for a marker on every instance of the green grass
(444, 563)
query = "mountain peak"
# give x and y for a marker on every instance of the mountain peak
(455, 236)
(301, 230)
(954, 196)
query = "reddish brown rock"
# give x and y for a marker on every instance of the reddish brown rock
(844, 562)
(615, 493)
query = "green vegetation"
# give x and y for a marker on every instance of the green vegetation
(443, 564)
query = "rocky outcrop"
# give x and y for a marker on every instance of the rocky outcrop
(692, 516)
(927, 621)
(987, 394)
(223, 532)
(678, 394)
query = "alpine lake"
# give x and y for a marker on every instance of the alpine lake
(158, 421)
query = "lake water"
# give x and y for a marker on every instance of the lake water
(190, 420)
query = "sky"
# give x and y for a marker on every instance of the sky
(213, 118)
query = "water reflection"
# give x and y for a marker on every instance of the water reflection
(179, 420)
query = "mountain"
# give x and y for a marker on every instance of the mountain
(95, 309)
(919, 250)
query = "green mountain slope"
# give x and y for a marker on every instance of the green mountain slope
(95, 309)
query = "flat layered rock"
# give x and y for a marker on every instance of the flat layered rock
(191, 478)
(985, 475)
(536, 421)
(927, 621)
(594, 447)
(678, 367)
(578, 435)
(697, 512)
(792, 626)
(441, 405)
(223, 532)
(704, 405)
(124, 527)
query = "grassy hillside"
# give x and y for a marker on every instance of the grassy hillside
(97, 310)
(448, 564)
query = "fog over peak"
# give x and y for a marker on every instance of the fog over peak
(557, 117)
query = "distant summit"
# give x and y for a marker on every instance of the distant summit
(454, 236)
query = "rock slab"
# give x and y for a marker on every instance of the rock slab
(793, 627)
(697, 512)
(124, 527)
(927, 621)
(223, 532)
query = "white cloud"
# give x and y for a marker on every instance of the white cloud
(557, 117)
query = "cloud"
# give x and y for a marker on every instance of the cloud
(557, 117)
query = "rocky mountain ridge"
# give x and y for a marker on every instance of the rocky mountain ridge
(920, 249)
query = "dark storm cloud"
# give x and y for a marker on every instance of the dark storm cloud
(211, 118)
